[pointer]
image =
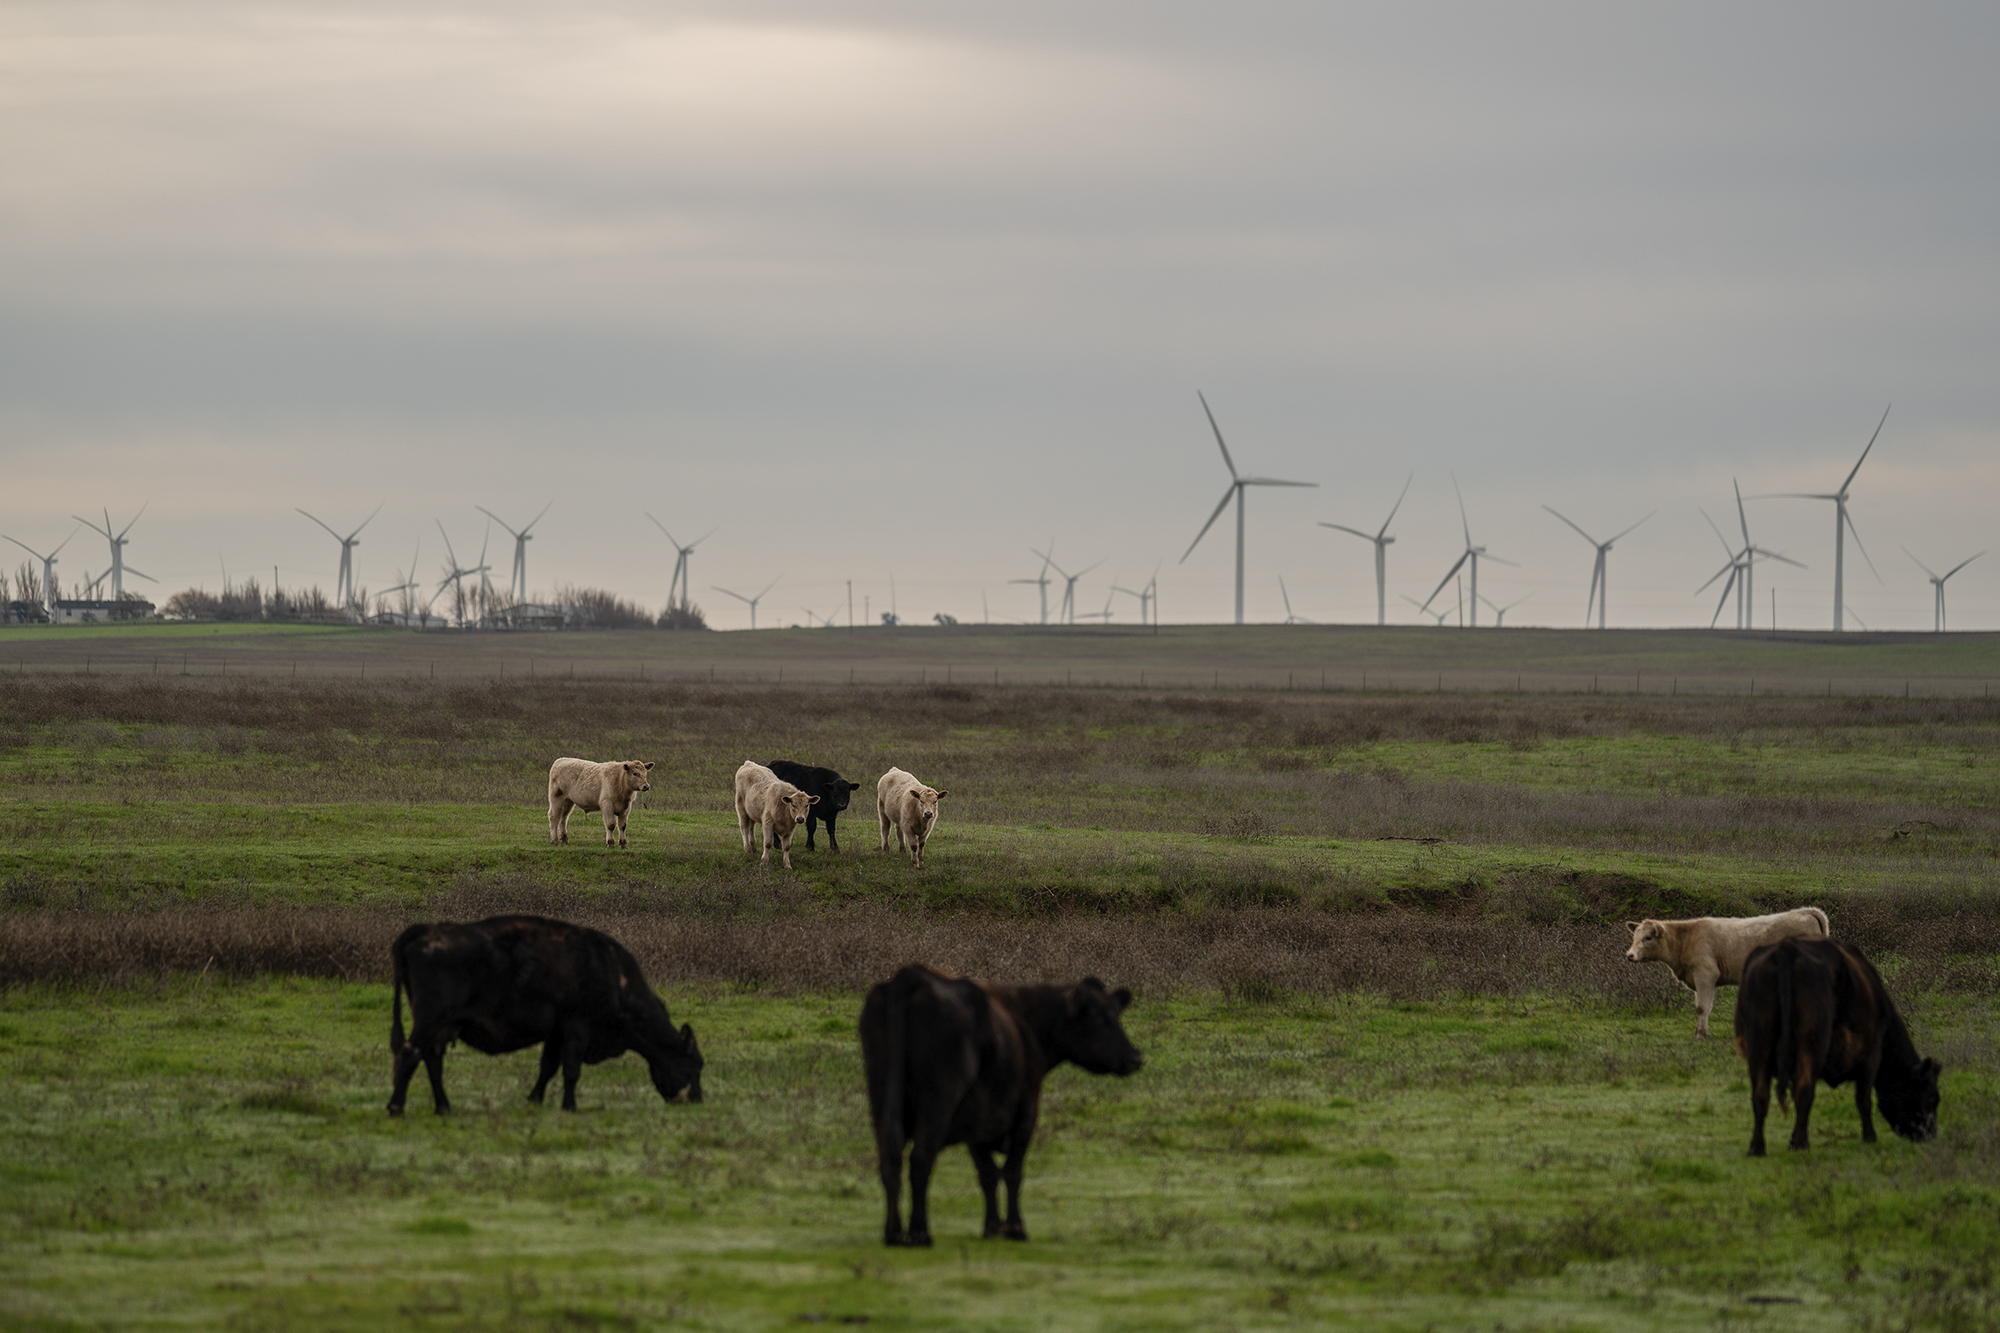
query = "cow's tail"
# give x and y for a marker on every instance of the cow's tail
(896, 1018)
(396, 998)
(1786, 1057)
(1825, 926)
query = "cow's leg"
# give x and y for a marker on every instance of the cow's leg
(812, 822)
(917, 851)
(882, 818)
(923, 1156)
(623, 816)
(764, 841)
(1760, 1102)
(743, 823)
(551, 1057)
(559, 808)
(1864, 1103)
(785, 846)
(434, 1066)
(576, 1038)
(832, 843)
(989, 1185)
(404, 1067)
(1802, 1103)
(1704, 982)
(889, 1161)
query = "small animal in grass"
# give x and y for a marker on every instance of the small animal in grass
(584, 784)
(831, 789)
(762, 798)
(953, 1060)
(1708, 951)
(909, 807)
(509, 982)
(1815, 1011)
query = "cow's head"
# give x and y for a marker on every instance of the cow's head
(635, 775)
(926, 799)
(1910, 1106)
(1649, 941)
(837, 793)
(801, 804)
(676, 1066)
(1091, 1035)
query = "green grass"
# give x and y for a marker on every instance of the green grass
(207, 1154)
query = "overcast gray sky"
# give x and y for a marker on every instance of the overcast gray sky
(886, 288)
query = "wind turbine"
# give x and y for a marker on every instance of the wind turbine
(456, 578)
(680, 576)
(1382, 541)
(1237, 484)
(1067, 613)
(1472, 553)
(1937, 584)
(1842, 524)
(519, 589)
(1741, 568)
(751, 601)
(1500, 612)
(343, 584)
(119, 569)
(1290, 619)
(1598, 577)
(1042, 582)
(1425, 608)
(1145, 596)
(1103, 616)
(48, 570)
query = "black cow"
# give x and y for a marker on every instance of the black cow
(952, 1060)
(831, 788)
(1811, 1010)
(508, 982)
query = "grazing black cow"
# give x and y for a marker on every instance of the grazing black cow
(1811, 1011)
(952, 1060)
(508, 982)
(831, 788)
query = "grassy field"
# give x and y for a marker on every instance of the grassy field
(1398, 1075)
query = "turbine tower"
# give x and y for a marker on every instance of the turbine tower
(1472, 553)
(1382, 541)
(681, 554)
(343, 584)
(1937, 584)
(1067, 613)
(456, 578)
(1041, 581)
(1598, 578)
(1237, 485)
(119, 569)
(1842, 524)
(750, 601)
(48, 571)
(519, 587)
(1290, 619)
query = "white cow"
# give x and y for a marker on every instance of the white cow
(584, 784)
(762, 797)
(910, 808)
(1708, 951)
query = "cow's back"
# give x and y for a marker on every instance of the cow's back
(1731, 940)
(581, 781)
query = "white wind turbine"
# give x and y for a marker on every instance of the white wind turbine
(1290, 619)
(343, 585)
(49, 589)
(1500, 612)
(1066, 614)
(681, 554)
(1740, 569)
(1041, 582)
(751, 602)
(1145, 596)
(1598, 577)
(456, 578)
(1103, 616)
(518, 590)
(119, 569)
(1474, 554)
(1237, 484)
(1937, 585)
(1842, 524)
(1424, 607)
(1382, 541)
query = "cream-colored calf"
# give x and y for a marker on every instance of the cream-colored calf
(911, 808)
(762, 797)
(584, 784)
(1708, 951)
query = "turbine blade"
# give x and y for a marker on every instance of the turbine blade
(1960, 565)
(1393, 508)
(1227, 496)
(1857, 462)
(737, 595)
(142, 510)
(1596, 573)
(1227, 461)
(501, 521)
(329, 531)
(1731, 550)
(364, 522)
(1926, 568)
(1790, 495)
(767, 587)
(1450, 574)
(1463, 521)
(538, 518)
(1734, 570)
(1864, 552)
(137, 574)
(1630, 529)
(1511, 564)
(1273, 481)
(1718, 574)
(1365, 536)
(1579, 531)
(1773, 555)
(663, 528)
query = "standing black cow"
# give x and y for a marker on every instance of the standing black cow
(508, 982)
(1815, 1010)
(831, 788)
(953, 1060)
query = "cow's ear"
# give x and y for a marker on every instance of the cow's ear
(1631, 925)
(941, 795)
(649, 765)
(812, 800)
(687, 1035)
(854, 786)
(1122, 998)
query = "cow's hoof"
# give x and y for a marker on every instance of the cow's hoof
(919, 1240)
(1015, 1231)
(395, 1111)
(1756, 1150)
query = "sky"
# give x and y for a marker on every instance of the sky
(897, 292)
